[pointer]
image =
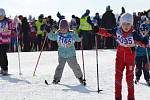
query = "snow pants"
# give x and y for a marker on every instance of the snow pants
(72, 62)
(3, 56)
(125, 59)
(141, 64)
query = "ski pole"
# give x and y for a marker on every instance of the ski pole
(17, 31)
(83, 59)
(40, 55)
(148, 59)
(98, 87)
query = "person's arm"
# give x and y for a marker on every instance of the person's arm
(104, 32)
(76, 37)
(52, 36)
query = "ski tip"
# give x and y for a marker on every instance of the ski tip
(46, 82)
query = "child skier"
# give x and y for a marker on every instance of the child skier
(5, 35)
(66, 51)
(141, 57)
(125, 57)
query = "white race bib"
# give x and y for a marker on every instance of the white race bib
(65, 41)
(3, 27)
(126, 42)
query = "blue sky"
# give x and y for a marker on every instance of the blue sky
(69, 7)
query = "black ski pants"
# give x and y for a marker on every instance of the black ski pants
(3, 56)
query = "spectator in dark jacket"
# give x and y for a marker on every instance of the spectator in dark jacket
(136, 22)
(109, 22)
(26, 36)
(97, 21)
(60, 17)
(108, 19)
(122, 12)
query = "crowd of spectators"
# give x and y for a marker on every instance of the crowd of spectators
(31, 33)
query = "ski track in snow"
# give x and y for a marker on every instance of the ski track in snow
(27, 87)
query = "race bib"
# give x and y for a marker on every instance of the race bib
(126, 42)
(3, 27)
(65, 41)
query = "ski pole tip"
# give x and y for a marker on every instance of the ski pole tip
(34, 75)
(20, 73)
(99, 91)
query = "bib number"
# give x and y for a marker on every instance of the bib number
(65, 41)
(128, 41)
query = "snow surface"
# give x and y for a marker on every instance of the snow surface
(27, 87)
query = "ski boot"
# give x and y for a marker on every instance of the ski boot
(55, 81)
(148, 82)
(131, 99)
(4, 72)
(136, 81)
(82, 81)
(118, 98)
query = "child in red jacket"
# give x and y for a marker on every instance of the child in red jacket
(125, 57)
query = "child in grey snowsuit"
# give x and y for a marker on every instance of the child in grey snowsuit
(66, 51)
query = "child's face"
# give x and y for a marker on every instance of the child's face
(126, 27)
(63, 26)
(1, 17)
(64, 30)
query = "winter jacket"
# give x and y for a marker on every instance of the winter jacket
(84, 24)
(65, 42)
(108, 20)
(125, 40)
(88, 19)
(38, 25)
(5, 33)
